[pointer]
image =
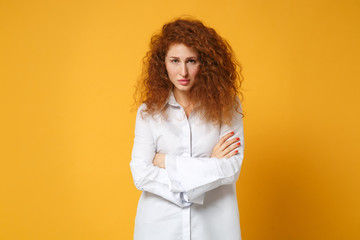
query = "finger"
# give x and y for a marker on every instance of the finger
(231, 154)
(231, 148)
(228, 143)
(225, 137)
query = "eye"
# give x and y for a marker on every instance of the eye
(174, 60)
(192, 61)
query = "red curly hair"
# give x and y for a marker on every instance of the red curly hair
(217, 83)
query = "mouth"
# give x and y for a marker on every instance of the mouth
(184, 81)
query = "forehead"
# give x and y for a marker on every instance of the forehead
(181, 50)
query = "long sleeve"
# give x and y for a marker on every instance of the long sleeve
(146, 176)
(195, 176)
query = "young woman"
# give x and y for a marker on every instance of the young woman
(189, 141)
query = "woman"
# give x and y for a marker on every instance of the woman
(188, 146)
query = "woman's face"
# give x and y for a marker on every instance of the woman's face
(182, 65)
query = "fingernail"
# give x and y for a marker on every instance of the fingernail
(232, 133)
(238, 139)
(236, 151)
(238, 143)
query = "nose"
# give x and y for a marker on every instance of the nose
(184, 70)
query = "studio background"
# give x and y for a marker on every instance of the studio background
(67, 72)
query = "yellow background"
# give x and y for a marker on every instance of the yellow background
(68, 69)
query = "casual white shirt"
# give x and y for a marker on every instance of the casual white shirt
(194, 197)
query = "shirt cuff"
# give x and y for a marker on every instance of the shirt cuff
(171, 169)
(198, 200)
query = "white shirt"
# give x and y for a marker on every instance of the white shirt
(194, 197)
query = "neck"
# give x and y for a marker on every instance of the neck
(183, 98)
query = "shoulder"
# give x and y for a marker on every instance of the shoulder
(144, 114)
(238, 105)
(141, 111)
(142, 107)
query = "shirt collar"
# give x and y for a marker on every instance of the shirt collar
(171, 100)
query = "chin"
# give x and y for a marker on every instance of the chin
(184, 89)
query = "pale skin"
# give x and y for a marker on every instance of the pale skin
(182, 66)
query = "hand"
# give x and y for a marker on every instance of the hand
(159, 160)
(225, 148)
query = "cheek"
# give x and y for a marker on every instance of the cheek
(195, 71)
(170, 71)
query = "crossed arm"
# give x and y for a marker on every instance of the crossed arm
(184, 180)
(225, 148)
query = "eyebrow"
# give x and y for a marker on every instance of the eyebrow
(186, 58)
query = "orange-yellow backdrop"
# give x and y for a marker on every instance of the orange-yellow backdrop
(67, 71)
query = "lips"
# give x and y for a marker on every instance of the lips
(184, 82)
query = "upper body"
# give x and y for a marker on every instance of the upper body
(192, 185)
(188, 146)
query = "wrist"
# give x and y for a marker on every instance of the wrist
(159, 160)
(163, 160)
